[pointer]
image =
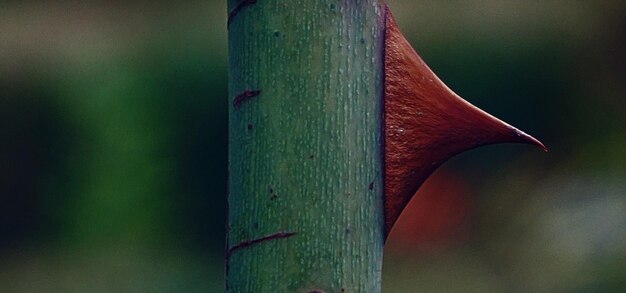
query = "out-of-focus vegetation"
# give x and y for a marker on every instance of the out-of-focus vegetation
(113, 144)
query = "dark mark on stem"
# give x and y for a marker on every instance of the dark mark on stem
(249, 126)
(371, 186)
(274, 196)
(312, 157)
(238, 8)
(245, 96)
(248, 243)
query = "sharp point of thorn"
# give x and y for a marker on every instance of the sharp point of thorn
(528, 139)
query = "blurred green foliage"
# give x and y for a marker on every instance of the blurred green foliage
(113, 146)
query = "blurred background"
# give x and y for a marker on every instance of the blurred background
(113, 148)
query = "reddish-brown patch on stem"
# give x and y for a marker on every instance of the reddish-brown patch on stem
(426, 123)
(238, 8)
(240, 98)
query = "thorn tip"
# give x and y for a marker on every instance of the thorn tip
(528, 139)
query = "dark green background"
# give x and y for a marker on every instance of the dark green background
(113, 147)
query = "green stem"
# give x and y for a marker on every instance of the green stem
(305, 146)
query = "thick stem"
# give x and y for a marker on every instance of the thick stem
(305, 146)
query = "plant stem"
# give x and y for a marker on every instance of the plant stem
(305, 146)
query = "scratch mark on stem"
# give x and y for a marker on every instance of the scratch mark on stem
(245, 96)
(248, 243)
(238, 8)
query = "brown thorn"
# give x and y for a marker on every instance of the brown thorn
(426, 123)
